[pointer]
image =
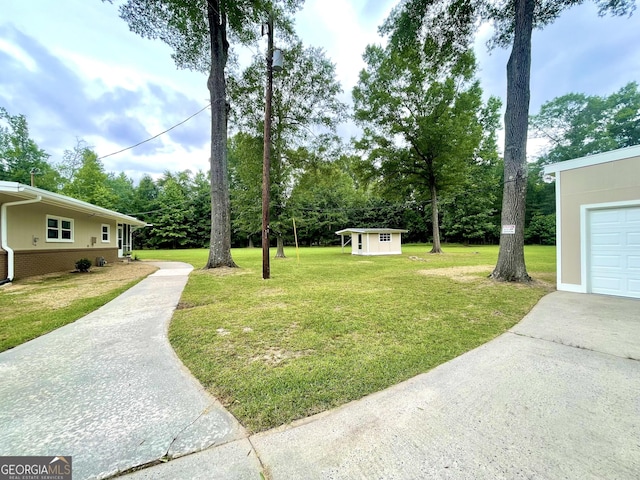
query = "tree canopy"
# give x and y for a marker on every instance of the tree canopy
(422, 117)
(306, 113)
(576, 125)
(90, 182)
(20, 156)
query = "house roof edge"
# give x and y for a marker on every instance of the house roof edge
(57, 199)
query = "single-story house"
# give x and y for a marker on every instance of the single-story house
(372, 241)
(598, 223)
(44, 232)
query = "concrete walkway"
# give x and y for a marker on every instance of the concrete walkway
(108, 389)
(556, 397)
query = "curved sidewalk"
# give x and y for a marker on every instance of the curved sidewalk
(108, 389)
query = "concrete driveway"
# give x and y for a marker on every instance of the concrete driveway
(108, 389)
(556, 397)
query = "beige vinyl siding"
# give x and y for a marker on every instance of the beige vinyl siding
(30, 221)
(615, 181)
(376, 247)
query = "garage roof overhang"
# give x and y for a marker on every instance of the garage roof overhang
(612, 156)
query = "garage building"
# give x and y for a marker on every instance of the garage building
(598, 223)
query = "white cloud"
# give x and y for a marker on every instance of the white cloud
(171, 157)
(19, 55)
(343, 29)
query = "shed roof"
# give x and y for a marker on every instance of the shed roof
(371, 230)
(18, 191)
(589, 160)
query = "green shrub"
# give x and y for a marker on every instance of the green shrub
(83, 265)
(541, 230)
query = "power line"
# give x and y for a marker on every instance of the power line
(159, 134)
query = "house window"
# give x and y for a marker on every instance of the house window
(59, 229)
(385, 237)
(106, 233)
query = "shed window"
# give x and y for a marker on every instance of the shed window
(106, 233)
(59, 229)
(385, 237)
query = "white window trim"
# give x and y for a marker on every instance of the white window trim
(387, 235)
(60, 220)
(108, 232)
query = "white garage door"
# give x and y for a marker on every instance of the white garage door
(615, 251)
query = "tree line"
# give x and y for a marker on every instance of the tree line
(325, 190)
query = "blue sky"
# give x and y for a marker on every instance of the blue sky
(75, 71)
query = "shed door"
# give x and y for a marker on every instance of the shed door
(614, 256)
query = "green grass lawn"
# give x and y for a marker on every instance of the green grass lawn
(334, 327)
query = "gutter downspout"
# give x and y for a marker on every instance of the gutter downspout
(4, 238)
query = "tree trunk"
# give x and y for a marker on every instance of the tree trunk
(434, 219)
(280, 249)
(511, 265)
(220, 245)
(250, 242)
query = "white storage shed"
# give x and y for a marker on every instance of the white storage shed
(372, 241)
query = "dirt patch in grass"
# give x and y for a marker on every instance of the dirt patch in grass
(466, 274)
(549, 285)
(59, 290)
(184, 306)
(271, 292)
(460, 274)
(274, 356)
(224, 271)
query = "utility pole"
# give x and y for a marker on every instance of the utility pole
(266, 160)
